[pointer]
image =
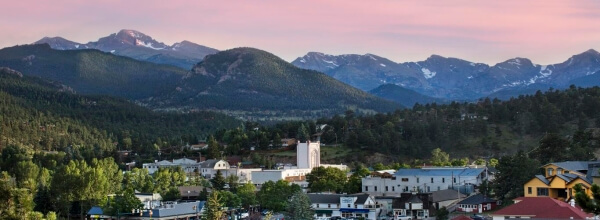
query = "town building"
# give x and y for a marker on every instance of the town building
(540, 208)
(560, 178)
(414, 205)
(345, 206)
(477, 203)
(426, 179)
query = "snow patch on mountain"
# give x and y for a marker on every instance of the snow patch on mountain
(545, 71)
(332, 63)
(427, 73)
(148, 45)
(303, 61)
(381, 64)
(515, 61)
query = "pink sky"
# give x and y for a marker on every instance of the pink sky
(546, 31)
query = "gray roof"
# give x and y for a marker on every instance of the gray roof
(440, 172)
(177, 209)
(446, 194)
(335, 198)
(324, 198)
(477, 199)
(209, 163)
(574, 165)
(543, 179)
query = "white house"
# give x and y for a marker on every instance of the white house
(346, 206)
(424, 180)
(208, 168)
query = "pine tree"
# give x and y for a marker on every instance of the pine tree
(213, 208)
(218, 181)
(299, 207)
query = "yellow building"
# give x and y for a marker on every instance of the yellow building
(560, 178)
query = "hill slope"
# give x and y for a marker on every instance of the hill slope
(93, 71)
(403, 96)
(253, 80)
(39, 114)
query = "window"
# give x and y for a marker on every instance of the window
(417, 180)
(454, 180)
(328, 205)
(431, 179)
(528, 190)
(366, 188)
(542, 191)
(404, 179)
(559, 171)
(317, 205)
(386, 188)
(348, 205)
(393, 188)
(443, 180)
(550, 171)
(375, 188)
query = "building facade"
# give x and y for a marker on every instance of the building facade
(345, 206)
(425, 180)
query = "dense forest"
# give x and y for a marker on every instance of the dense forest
(484, 129)
(45, 116)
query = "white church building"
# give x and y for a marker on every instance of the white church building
(308, 156)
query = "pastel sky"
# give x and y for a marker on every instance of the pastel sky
(546, 31)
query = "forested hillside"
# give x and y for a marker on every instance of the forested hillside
(92, 71)
(554, 119)
(41, 115)
(255, 81)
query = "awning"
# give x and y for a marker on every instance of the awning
(323, 211)
(355, 210)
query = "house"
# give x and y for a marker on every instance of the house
(149, 199)
(209, 168)
(446, 197)
(540, 208)
(346, 206)
(416, 205)
(426, 179)
(559, 179)
(435, 199)
(191, 192)
(477, 203)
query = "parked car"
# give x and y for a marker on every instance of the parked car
(477, 217)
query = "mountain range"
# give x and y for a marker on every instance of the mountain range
(240, 81)
(456, 79)
(137, 45)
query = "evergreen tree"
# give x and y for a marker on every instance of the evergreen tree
(213, 208)
(299, 207)
(590, 205)
(218, 181)
(302, 134)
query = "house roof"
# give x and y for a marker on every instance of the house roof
(446, 194)
(440, 172)
(477, 199)
(176, 209)
(412, 198)
(573, 165)
(335, 198)
(209, 163)
(543, 179)
(542, 207)
(324, 198)
(184, 161)
(95, 210)
(185, 191)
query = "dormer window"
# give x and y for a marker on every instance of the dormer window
(550, 172)
(559, 171)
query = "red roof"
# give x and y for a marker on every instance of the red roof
(461, 217)
(542, 207)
